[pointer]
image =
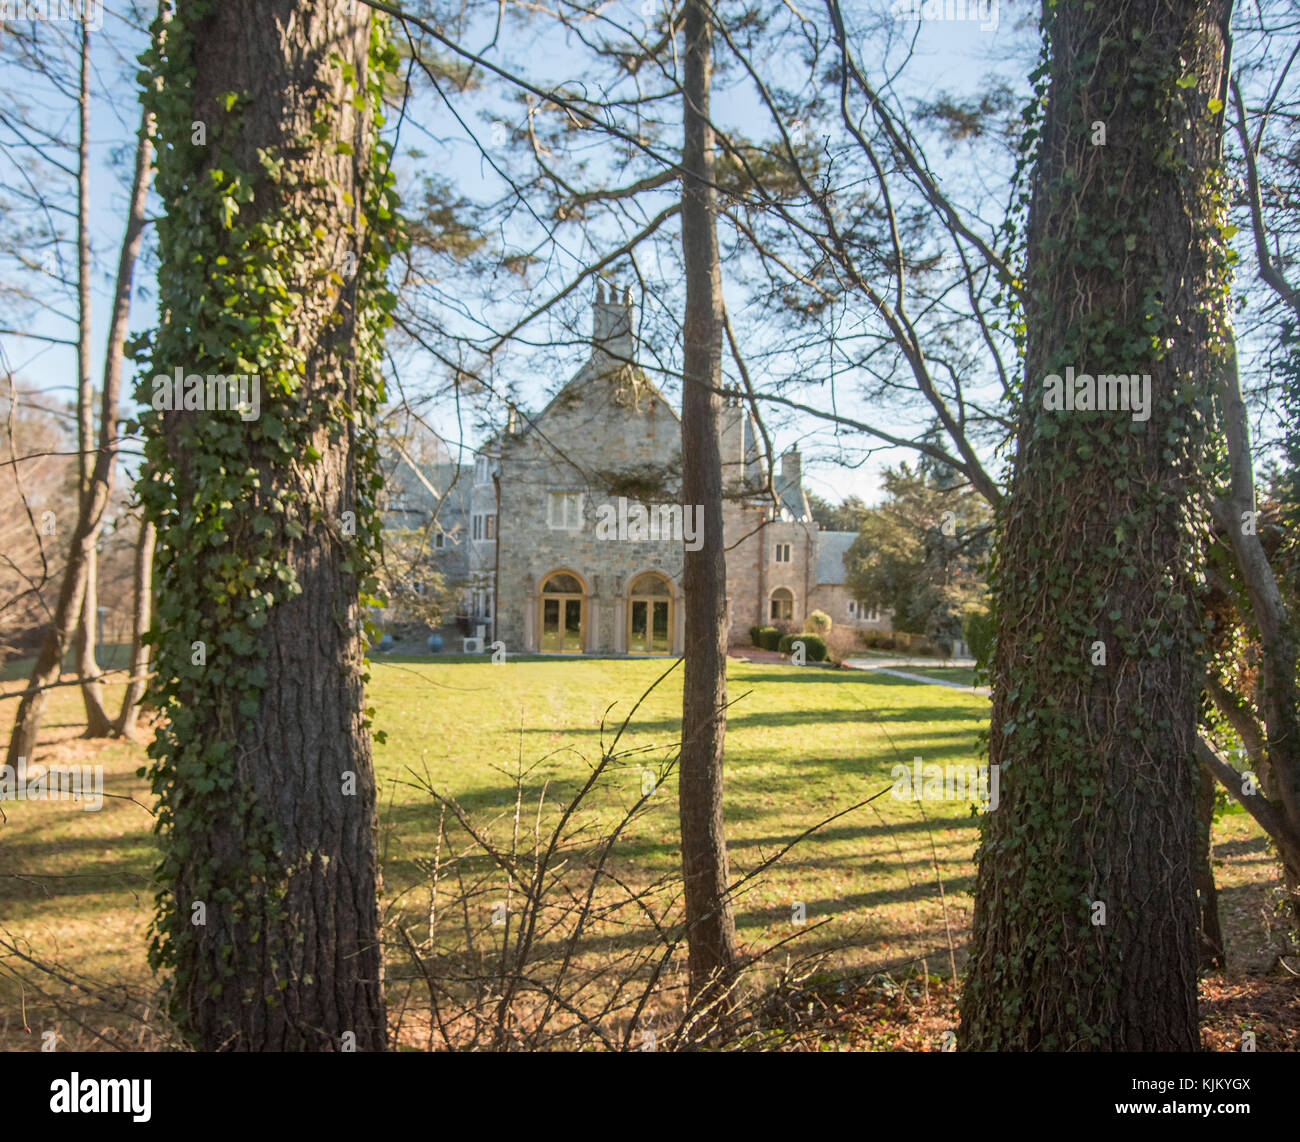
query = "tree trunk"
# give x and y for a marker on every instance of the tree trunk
(1212, 952)
(712, 929)
(1085, 924)
(92, 694)
(142, 612)
(90, 513)
(92, 691)
(265, 775)
(1277, 694)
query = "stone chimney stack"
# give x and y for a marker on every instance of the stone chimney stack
(611, 322)
(792, 470)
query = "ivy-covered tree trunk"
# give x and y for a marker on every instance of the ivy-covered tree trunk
(1086, 923)
(276, 232)
(712, 929)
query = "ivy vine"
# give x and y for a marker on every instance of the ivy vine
(231, 283)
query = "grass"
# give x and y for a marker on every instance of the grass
(801, 745)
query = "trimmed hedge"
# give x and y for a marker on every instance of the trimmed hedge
(755, 633)
(770, 638)
(814, 645)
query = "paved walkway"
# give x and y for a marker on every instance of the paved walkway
(889, 665)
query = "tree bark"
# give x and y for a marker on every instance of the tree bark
(302, 970)
(1085, 924)
(92, 693)
(709, 916)
(142, 612)
(1212, 951)
(69, 608)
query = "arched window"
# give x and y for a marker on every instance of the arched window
(782, 605)
(650, 615)
(563, 617)
(562, 583)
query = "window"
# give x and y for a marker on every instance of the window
(782, 605)
(853, 608)
(483, 471)
(487, 604)
(476, 525)
(783, 553)
(439, 540)
(564, 511)
(489, 527)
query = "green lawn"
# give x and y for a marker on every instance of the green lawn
(802, 743)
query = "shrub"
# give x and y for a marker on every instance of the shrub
(813, 644)
(770, 638)
(815, 647)
(819, 623)
(755, 633)
(978, 633)
(842, 643)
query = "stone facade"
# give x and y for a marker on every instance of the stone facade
(585, 548)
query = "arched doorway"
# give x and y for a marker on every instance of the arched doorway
(649, 615)
(563, 614)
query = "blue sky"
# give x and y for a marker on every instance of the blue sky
(952, 56)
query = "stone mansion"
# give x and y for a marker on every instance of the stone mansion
(569, 537)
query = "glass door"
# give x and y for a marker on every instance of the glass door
(562, 615)
(649, 620)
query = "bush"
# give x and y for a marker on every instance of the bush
(842, 643)
(813, 644)
(819, 623)
(769, 638)
(978, 633)
(755, 634)
(815, 647)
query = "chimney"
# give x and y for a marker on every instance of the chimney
(792, 471)
(611, 322)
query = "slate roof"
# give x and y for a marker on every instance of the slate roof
(831, 547)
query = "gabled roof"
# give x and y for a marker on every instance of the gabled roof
(793, 499)
(831, 549)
